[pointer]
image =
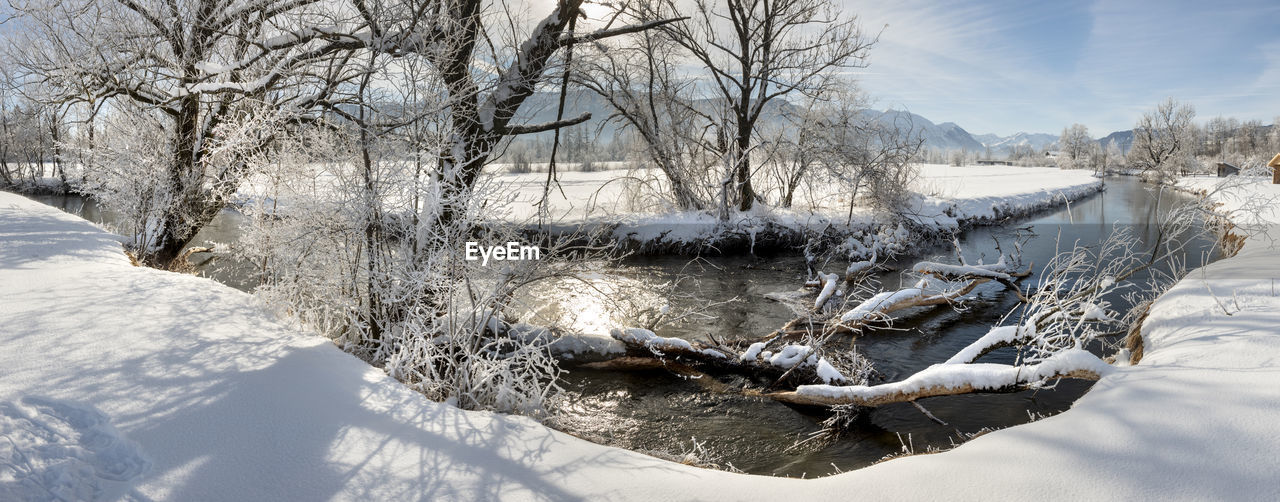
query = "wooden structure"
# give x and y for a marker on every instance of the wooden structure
(1225, 169)
(1275, 169)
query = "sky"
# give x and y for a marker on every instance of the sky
(997, 66)
(1007, 66)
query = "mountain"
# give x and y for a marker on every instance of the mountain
(1005, 144)
(944, 136)
(1122, 138)
(987, 139)
(541, 107)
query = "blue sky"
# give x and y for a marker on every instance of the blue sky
(1037, 66)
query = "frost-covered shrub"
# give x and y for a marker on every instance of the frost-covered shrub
(129, 175)
(365, 254)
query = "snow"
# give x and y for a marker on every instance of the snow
(979, 376)
(226, 402)
(974, 194)
(576, 346)
(858, 267)
(1093, 312)
(60, 449)
(790, 356)
(928, 267)
(753, 351)
(1106, 283)
(878, 302)
(998, 334)
(828, 373)
(829, 283)
(646, 338)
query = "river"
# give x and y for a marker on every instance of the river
(659, 411)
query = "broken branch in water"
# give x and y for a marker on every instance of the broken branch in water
(952, 379)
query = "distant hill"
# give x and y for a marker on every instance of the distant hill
(541, 107)
(945, 136)
(1002, 145)
(1122, 138)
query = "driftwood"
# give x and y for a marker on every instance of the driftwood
(897, 396)
(629, 363)
(694, 359)
(807, 323)
(645, 351)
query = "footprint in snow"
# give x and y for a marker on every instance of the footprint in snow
(59, 450)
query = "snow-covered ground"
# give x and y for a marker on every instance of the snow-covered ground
(120, 381)
(951, 196)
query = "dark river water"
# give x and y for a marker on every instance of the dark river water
(659, 411)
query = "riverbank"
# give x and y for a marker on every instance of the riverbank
(949, 198)
(171, 387)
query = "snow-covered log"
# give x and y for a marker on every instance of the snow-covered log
(952, 379)
(887, 302)
(569, 347)
(643, 338)
(829, 282)
(998, 272)
(997, 337)
(954, 271)
(792, 364)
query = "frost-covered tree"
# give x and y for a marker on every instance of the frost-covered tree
(753, 52)
(205, 63)
(639, 77)
(196, 64)
(1115, 159)
(1074, 145)
(869, 156)
(1162, 142)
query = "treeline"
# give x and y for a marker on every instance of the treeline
(1167, 142)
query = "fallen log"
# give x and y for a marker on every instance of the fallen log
(792, 364)
(950, 380)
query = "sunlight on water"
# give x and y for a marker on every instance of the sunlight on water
(594, 304)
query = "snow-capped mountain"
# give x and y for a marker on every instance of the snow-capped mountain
(1122, 138)
(1037, 141)
(944, 136)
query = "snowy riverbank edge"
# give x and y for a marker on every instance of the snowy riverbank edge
(971, 196)
(222, 401)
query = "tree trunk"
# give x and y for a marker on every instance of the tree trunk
(190, 207)
(746, 195)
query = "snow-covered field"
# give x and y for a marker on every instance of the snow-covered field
(952, 195)
(126, 382)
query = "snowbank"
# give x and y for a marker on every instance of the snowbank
(225, 402)
(952, 197)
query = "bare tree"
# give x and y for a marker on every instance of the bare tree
(755, 51)
(196, 64)
(639, 78)
(203, 63)
(1115, 159)
(868, 155)
(1161, 140)
(1074, 144)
